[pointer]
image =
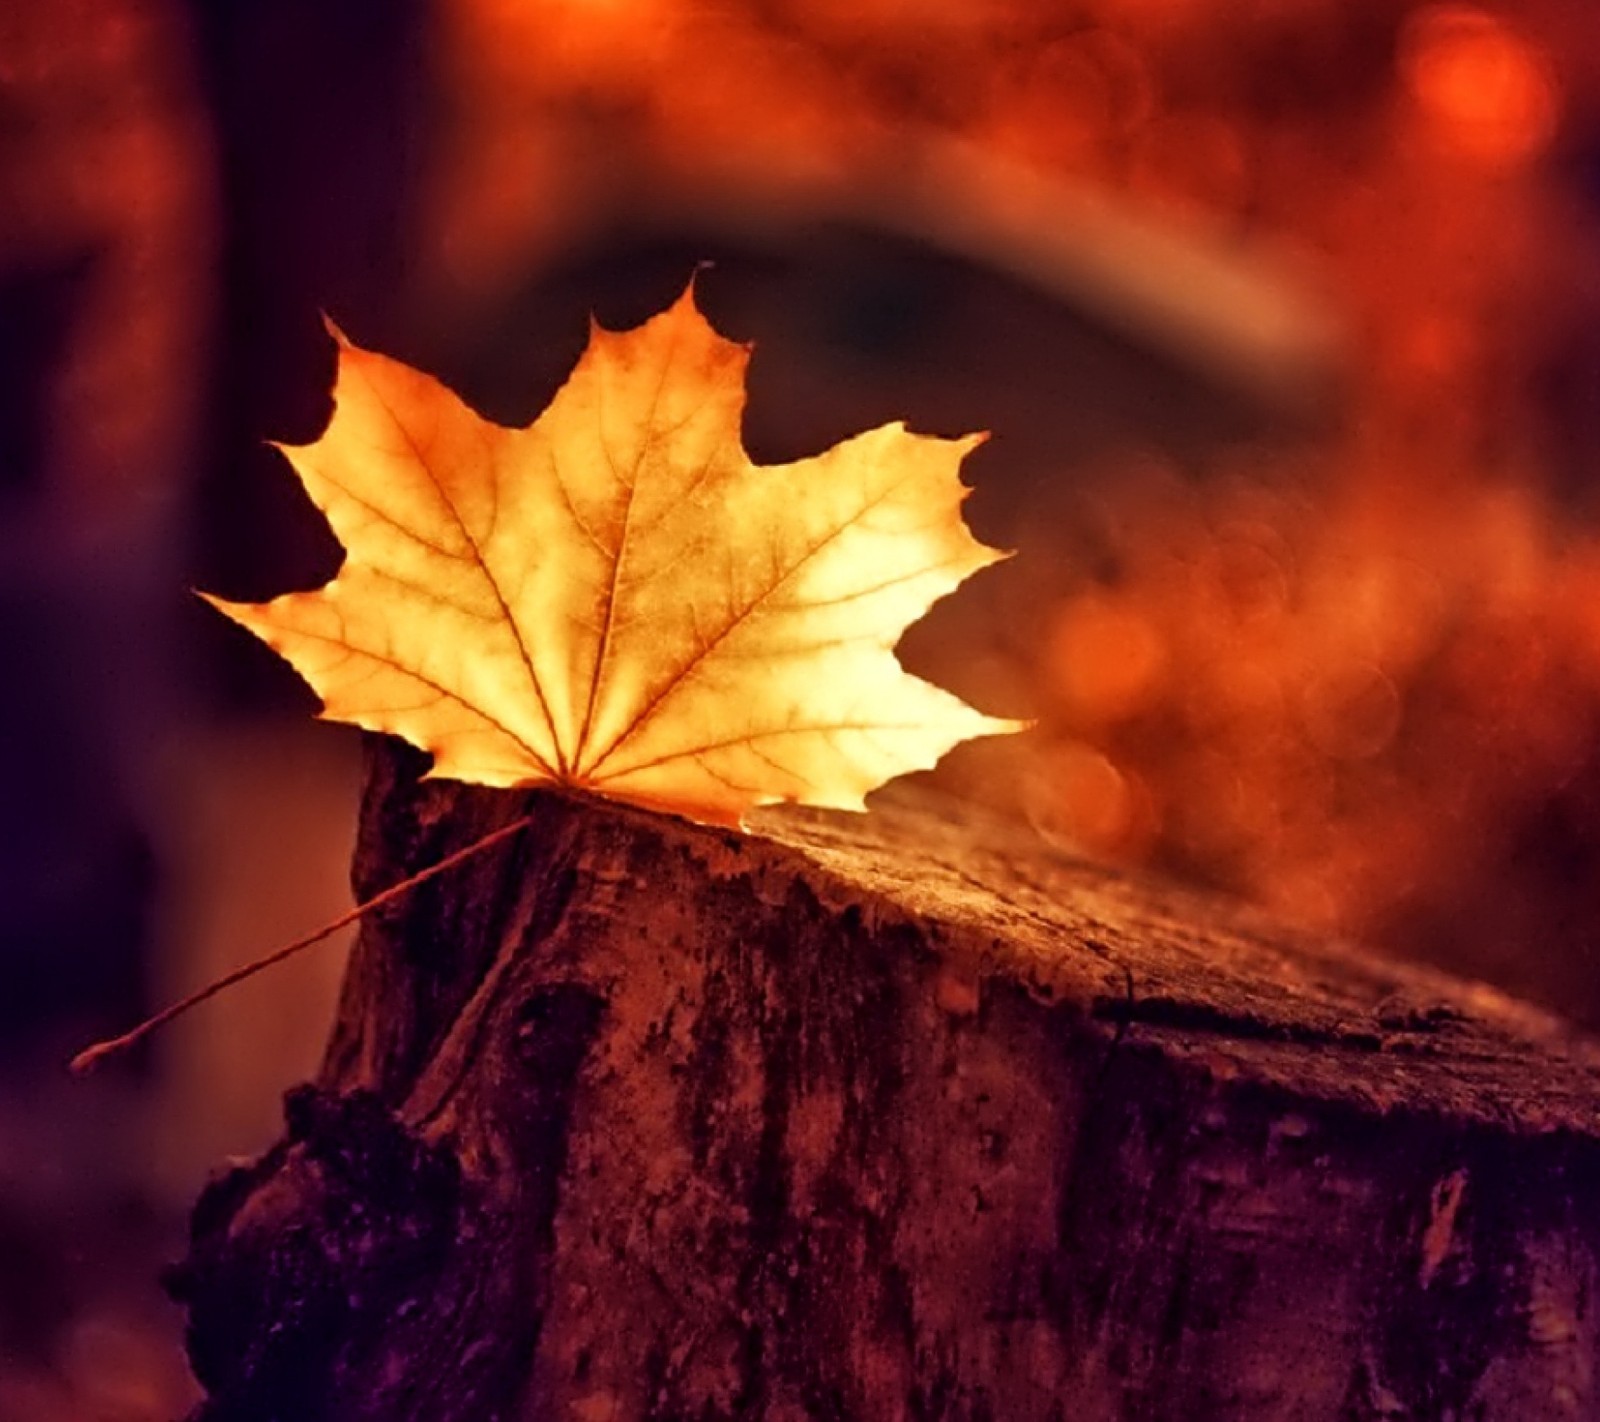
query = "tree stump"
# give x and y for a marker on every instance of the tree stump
(895, 1116)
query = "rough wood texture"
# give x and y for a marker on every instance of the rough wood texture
(889, 1117)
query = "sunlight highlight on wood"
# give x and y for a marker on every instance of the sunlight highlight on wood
(615, 597)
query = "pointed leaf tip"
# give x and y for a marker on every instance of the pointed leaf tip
(333, 329)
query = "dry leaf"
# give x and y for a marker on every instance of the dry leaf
(615, 597)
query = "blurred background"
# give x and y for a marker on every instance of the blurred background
(1284, 314)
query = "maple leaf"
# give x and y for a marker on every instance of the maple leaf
(615, 597)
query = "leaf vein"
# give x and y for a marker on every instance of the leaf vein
(608, 619)
(780, 577)
(745, 738)
(482, 564)
(444, 692)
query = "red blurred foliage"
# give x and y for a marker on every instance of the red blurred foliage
(1346, 682)
(1344, 704)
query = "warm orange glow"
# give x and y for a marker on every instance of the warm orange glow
(1191, 161)
(597, 45)
(1353, 714)
(1061, 103)
(1105, 659)
(1323, 693)
(1486, 92)
(1083, 801)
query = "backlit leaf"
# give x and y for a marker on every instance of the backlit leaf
(615, 597)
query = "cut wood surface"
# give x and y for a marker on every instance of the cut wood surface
(894, 1116)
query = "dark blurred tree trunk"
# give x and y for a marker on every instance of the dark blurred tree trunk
(897, 1116)
(105, 306)
(322, 114)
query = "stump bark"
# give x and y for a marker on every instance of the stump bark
(896, 1116)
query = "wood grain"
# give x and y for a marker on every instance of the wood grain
(894, 1116)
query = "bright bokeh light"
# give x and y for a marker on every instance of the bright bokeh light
(1484, 91)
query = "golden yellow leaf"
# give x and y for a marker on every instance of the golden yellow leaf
(615, 597)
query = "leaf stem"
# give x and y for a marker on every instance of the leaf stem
(91, 1057)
